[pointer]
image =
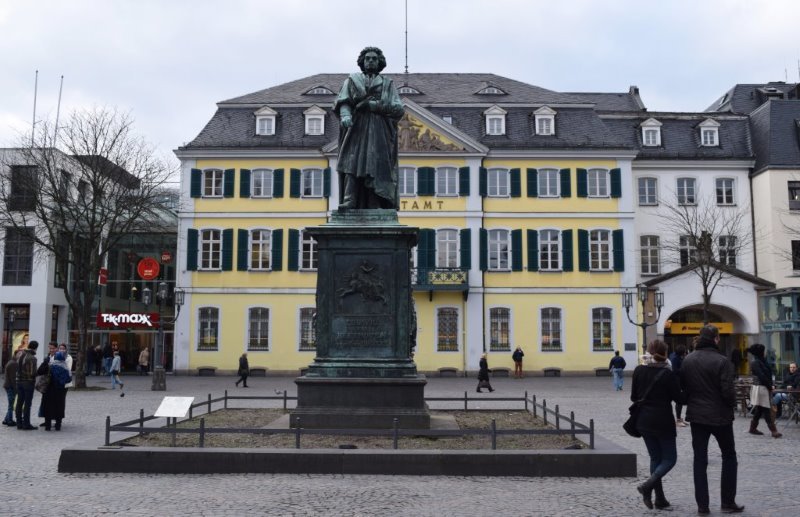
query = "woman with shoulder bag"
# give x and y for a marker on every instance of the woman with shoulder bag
(760, 392)
(483, 375)
(655, 387)
(244, 370)
(54, 399)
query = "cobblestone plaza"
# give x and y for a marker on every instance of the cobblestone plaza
(769, 469)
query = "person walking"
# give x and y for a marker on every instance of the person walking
(244, 370)
(10, 385)
(98, 359)
(54, 400)
(116, 364)
(26, 376)
(760, 392)
(676, 359)
(707, 380)
(656, 386)
(483, 375)
(144, 361)
(617, 367)
(517, 358)
(108, 356)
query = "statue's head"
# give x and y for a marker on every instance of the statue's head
(375, 50)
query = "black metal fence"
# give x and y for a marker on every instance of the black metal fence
(564, 425)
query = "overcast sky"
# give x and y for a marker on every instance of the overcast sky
(169, 62)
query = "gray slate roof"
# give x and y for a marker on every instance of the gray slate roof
(744, 98)
(775, 127)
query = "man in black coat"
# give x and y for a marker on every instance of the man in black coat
(26, 376)
(707, 378)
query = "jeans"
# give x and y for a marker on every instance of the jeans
(24, 400)
(663, 454)
(724, 436)
(12, 394)
(617, 373)
(107, 365)
(115, 380)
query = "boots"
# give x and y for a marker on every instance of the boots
(774, 430)
(754, 425)
(646, 489)
(661, 502)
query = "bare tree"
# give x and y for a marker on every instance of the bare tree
(707, 239)
(76, 191)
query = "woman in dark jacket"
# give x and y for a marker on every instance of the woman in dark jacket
(244, 370)
(54, 399)
(483, 375)
(655, 421)
(760, 392)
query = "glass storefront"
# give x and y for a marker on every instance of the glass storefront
(780, 328)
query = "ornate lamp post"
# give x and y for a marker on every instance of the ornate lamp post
(641, 294)
(159, 374)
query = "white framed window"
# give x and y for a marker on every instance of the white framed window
(407, 182)
(447, 248)
(212, 182)
(312, 183)
(495, 121)
(649, 250)
(315, 120)
(498, 183)
(545, 121)
(18, 256)
(258, 329)
(499, 250)
(597, 182)
(600, 250)
(308, 252)
(447, 329)
(261, 183)
(551, 329)
(648, 191)
(651, 133)
(446, 181)
(687, 249)
(319, 90)
(499, 329)
(709, 133)
(260, 250)
(491, 90)
(208, 329)
(265, 121)
(724, 187)
(686, 191)
(602, 335)
(448, 118)
(548, 183)
(308, 331)
(407, 90)
(210, 250)
(727, 250)
(549, 250)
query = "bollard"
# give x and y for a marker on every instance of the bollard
(226, 399)
(558, 419)
(534, 406)
(209, 403)
(544, 410)
(394, 425)
(297, 433)
(572, 423)
(174, 428)
(284, 400)
(591, 433)
(465, 401)
(494, 434)
(141, 422)
(108, 431)
(202, 432)
(191, 412)
(526, 401)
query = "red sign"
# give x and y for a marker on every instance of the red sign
(102, 278)
(148, 268)
(166, 257)
(144, 320)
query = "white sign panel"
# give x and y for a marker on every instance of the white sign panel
(176, 407)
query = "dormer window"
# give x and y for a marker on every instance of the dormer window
(319, 90)
(407, 90)
(448, 118)
(651, 133)
(315, 120)
(491, 90)
(265, 121)
(545, 121)
(495, 120)
(709, 133)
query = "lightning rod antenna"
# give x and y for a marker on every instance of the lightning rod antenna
(406, 40)
(58, 110)
(35, 90)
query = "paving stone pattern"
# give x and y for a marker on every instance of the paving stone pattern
(769, 469)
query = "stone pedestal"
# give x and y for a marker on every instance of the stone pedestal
(363, 375)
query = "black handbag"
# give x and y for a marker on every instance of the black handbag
(630, 423)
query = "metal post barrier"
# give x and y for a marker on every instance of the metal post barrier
(534, 406)
(174, 428)
(191, 413)
(297, 433)
(202, 432)
(226, 399)
(572, 423)
(526, 401)
(141, 422)
(494, 434)
(284, 400)
(108, 431)
(544, 410)
(394, 426)
(591, 433)
(558, 418)
(209, 403)
(465, 401)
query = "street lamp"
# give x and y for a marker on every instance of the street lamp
(641, 294)
(159, 375)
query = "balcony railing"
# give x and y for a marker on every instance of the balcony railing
(440, 278)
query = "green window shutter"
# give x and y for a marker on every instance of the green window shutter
(566, 188)
(482, 180)
(619, 250)
(228, 182)
(516, 182)
(426, 181)
(516, 250)
(463, 181)
(533, 183)
(465, 243)
(533, 250)
(277, 183)
(294, 182)
(227, 249)
(241, 252)
(583, 250)
(566, 250)
(191, 250)
(326, 182)
(616, 182)
(581, 177)
(483, 236)
(426, 249)
(196, 189)
(244, 183)
(294, 250)
(277, 250)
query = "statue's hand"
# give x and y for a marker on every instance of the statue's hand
(347, 122)
(374, 106)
